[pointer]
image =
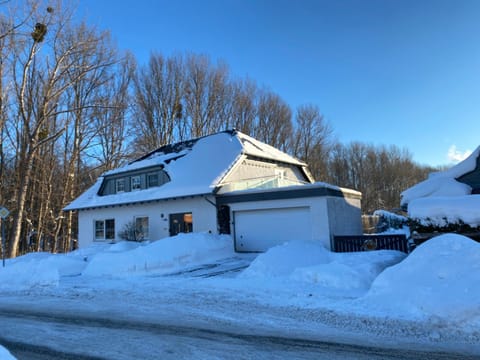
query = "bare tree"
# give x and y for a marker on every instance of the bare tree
(50, 61)
(243, 106)
(274, 121)
(89, 106)
(312, 139)
(206, 95)
(381, 173)
(111, 117)
(158, 110)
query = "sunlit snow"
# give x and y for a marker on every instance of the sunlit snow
(436, 283)
(5, 354)
(441, 199)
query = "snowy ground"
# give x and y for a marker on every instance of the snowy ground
(429, 300)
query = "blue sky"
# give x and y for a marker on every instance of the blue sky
(384, 72)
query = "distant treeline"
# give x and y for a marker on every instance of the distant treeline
(72, 105)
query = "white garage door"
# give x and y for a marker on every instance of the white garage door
(259, 230)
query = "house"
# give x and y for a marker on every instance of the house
(227, 183)
(447, 197)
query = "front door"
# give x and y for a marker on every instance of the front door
(181, 223)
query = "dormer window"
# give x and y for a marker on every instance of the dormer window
(120, 185)
(137, 180)
(136, 183)
(152, 180)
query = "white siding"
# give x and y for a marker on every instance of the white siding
(204, 217)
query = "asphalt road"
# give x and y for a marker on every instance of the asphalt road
(41, 335)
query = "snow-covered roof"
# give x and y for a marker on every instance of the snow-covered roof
(195, 167)
(254, 147)
(442, 199)
(443, 183)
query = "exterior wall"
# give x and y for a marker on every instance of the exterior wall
(253, 173)
(318, 212)
(203, 213)
(345, 216)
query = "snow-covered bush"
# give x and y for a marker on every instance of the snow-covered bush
(431, 226)
(388, 220)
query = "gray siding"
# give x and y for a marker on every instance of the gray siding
(109, 183)
(472, 178)
(252, 168)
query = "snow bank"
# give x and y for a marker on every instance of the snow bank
(310, 262)
(161, 256)
(282, 260)
(439, 279)
(38, 270)
(5, 354)
(442, 210)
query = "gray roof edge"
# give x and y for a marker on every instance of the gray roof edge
(290, 192)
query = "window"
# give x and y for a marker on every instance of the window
(141, 228)
(120, 185)
(105, 229)
(181, 223)
(152, 180)
(110, 229)
(136, 183)
(99, 230)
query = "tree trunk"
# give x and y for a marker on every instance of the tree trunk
(21, 201)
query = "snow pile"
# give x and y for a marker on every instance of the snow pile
(310, 262)
(439, 279)
(283, 260)
(5, 354)
(161, 256)
(120, 259)
(436, 283)
(38, 270)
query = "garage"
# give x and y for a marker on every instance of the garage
(260, 229)
(264, 218)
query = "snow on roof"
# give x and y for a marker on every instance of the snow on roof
(254, 147)
(157, 159)
(195, 173)
(310, 186)
(443, 183)
(195, 167)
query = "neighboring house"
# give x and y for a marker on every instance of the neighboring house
(222, 183)
(448, 196)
